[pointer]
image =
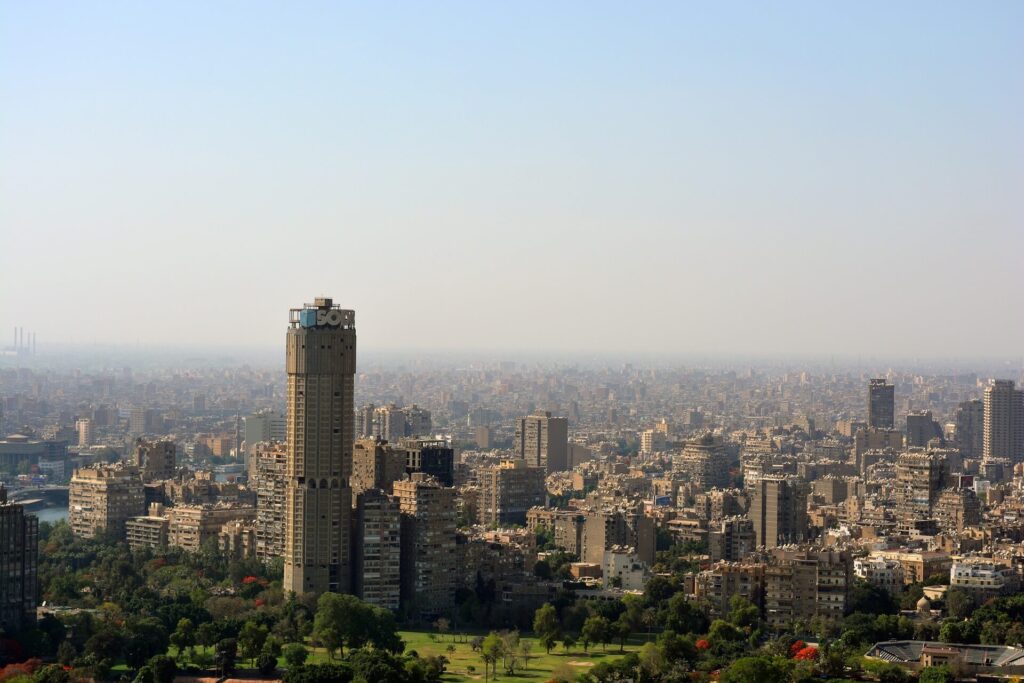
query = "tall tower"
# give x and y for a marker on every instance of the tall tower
(1004, 421)
(881, 404)
(321, 366)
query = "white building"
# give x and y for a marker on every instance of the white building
(883, 573)
(983, 577)
(622, 563)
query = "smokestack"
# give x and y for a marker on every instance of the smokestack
(33, 343)
(21, 337)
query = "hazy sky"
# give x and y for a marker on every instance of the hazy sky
(800, 177)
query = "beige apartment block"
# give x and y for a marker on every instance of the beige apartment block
(508, 491)
(102, 498)
(193, 526)
(428, 545)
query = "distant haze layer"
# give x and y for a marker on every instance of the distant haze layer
(736, 178)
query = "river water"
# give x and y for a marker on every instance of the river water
(50, 514)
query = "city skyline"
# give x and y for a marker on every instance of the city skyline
(664, 179)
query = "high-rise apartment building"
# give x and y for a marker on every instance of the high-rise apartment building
(435, 458)
(86, 432)
(508, 491)
(732, 539)
(803, 583)
(429, 519)
(881, 404)
(365, 421)
(418, 422)
(390, 423)
(703, 463)
(320, 362)
(377, 549)
(922, 428)
(19, 557)
(270, 477)
(265, 426)
(543, 441)
(920, 477)
(651, 441)
(143, 421)
(778, 509)
(970, 428)
(102, 498)
(1004, 421)
(604, 529)
(155, 459)
(376, 465)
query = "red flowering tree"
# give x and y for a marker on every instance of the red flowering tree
(807, 654)
(703, 644)
(796, 647)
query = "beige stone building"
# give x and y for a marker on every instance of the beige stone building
(148, 531)
(778, 509)
(715, 587)
(320, 361)
(269, 478)
(703, 465)
(377, 549)
(543, 441)
(604, 529)
(428, 545)
(1003, 430)
(376, 465)
(508, 491)
(155, 459)
(192, 526)
(102, 498)
(803, 583)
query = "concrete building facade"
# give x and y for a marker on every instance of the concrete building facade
(778, 510)
(1004, 422)
(881, 404)
(507, 492)
(542, 440)
(429, 519)
(320, 362)
(19, 565)
(377, 549)
(102, 498)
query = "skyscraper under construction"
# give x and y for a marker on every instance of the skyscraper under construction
(321, 366)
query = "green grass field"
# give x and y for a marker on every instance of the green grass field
(539, 668)
(466, 665)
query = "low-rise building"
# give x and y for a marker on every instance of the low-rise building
(983, 578)
(623, 569)
(880, 572)
(148, 531)
(192, 526)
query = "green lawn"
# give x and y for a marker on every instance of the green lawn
(539, 669)
(428, 643)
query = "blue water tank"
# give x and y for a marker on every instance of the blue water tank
(307, 317)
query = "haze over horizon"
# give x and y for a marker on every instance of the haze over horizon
(581, 177)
